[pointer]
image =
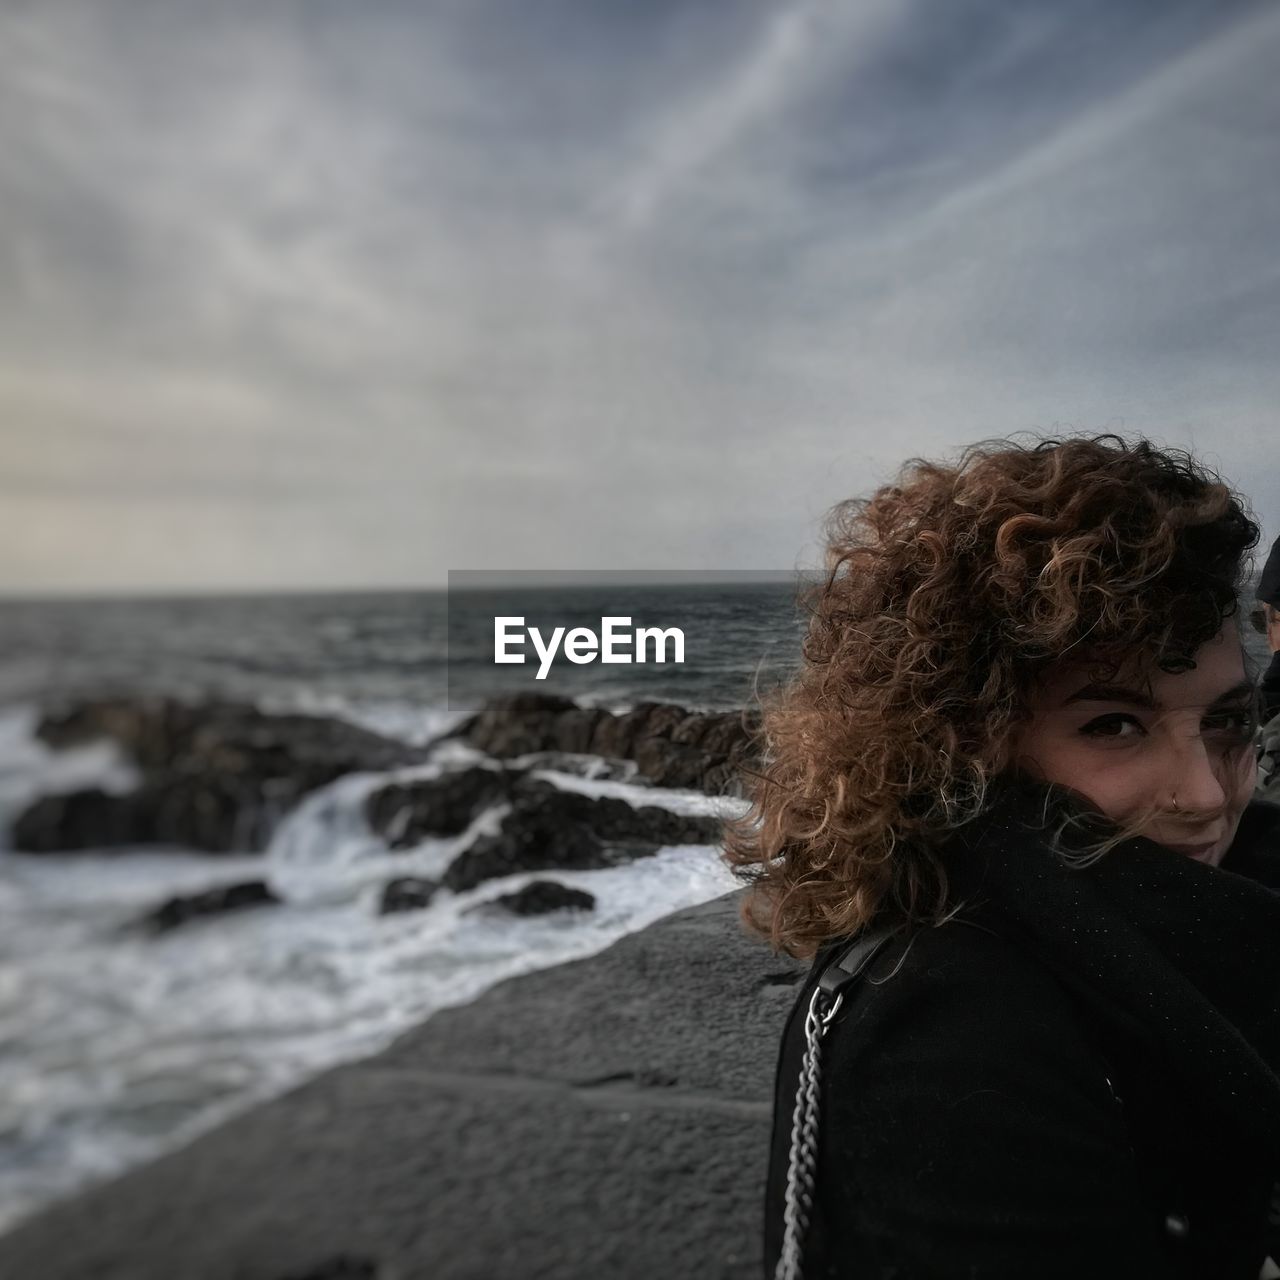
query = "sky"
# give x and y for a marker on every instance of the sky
(328, 295)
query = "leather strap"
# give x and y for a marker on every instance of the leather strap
(849, 964)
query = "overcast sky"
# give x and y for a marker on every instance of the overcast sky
(321, 294)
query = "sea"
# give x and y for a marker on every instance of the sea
(116, 1046)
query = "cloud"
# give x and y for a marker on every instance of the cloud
(797, 43)
(380, 290)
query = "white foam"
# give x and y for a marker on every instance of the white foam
(683, 802)
(29, 768)
(415, 725)
(325, 851)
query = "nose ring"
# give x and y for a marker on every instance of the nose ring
(1175, 804)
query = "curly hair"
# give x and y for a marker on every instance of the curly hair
(947, 595)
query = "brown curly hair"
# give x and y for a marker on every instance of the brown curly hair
(946, 596)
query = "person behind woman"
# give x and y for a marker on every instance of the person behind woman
(1268, 622)
(1020, 746)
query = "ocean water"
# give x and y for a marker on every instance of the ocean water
(116, 1046)
(396, 661)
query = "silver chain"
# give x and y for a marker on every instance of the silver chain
(803, 1166)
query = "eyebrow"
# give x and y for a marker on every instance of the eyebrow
(1137, 698)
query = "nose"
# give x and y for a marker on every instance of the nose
(1195, 780)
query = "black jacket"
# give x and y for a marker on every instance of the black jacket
(1077, 1077)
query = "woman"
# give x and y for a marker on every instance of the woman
(1019, 753)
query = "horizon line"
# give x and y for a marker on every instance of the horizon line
(514, 578)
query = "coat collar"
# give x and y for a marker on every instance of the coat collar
(1174, 955)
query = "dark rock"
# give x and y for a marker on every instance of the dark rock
(165, 734)
(535, 800)
(671, 746)
(233, 897)
(517, 724)
(574, 729)
(670, 765)
(406, 813)
(145, 727)
(81, 820)
(220, 777)
(216, 813)
(617, 735)
(693, 728)
(722, 779)
(547, 828)
(342, 1267)
(532, 847)
(408, 893)
(217, 777)
(539, 897)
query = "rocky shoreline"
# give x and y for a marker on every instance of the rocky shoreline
(220, 778)
(608, 1116)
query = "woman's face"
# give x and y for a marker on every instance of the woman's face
(1173, 750)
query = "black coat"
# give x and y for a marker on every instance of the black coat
(1077, 1077)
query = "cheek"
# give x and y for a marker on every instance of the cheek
(1240, 777)
(1117, 793)
(1116, 789)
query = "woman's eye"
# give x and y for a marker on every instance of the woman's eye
(1238, 724)
(1116, 725)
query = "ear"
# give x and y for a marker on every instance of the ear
(1272, 616)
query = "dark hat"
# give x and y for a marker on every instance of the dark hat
(1269, 584)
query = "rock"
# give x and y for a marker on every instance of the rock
(233, 897)
(575, 728)
(547, 828)
(533, 847)
(516, 724)
(83, 819)
(539, 897)
(220, 777)
(670, 745)
(145, 727)
(217, 777)
(165, 734)
(617, 735)
(342, 1267)
(612, 819)
(671, 765)
(216, 813)
(408, 893)
(406, 813)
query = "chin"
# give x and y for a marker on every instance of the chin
(1210, 853)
